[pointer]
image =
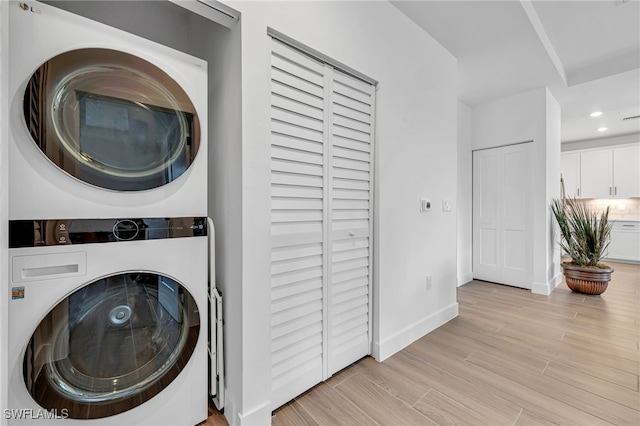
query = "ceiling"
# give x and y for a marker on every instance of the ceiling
(586, 52)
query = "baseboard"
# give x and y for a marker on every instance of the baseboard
(630, 261)
(555, 282)
(540, 288)
(230, 411)
(465, 278)
(260, 415)
(546, 288)
(402, 339)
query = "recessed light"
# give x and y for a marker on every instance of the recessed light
(595, 114)
(603, 129)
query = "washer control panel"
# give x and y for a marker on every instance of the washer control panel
(126, 230)
(38, 233)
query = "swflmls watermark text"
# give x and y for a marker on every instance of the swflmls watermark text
(35, 414)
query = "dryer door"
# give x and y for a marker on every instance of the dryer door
(111, 345)
(111, 119)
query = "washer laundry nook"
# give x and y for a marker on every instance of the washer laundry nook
(110, 252)
(108, 331)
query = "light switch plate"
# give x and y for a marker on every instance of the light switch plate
(446, 205)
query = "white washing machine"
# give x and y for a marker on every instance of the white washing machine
(102, 123)
(108, 322)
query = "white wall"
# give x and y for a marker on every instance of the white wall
(509, 120)
(554, 127)
(465, 196)
(416, 157)
(533, 115)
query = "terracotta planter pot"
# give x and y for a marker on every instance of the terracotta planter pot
(586, 280)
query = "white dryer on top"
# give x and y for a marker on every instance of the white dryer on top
(102, 123)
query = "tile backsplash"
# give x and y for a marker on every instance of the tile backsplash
(619, 208)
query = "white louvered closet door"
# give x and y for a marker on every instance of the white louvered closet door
(350, 206)
(298, 225)
(321, 157)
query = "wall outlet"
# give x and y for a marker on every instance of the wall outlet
(429, 282)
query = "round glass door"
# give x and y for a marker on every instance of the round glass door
(111, 119)
(111, 345)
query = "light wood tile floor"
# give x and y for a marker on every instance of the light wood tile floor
(510, 358)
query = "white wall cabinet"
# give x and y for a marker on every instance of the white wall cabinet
(570, 169)
(596, 174)
(626, 171)
(602, 173)
(625, 241)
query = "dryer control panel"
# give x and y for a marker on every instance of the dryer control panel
(38, 233)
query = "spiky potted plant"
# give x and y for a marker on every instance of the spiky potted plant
(584, 238)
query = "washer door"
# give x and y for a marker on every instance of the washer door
(111, 119)
(111, 345)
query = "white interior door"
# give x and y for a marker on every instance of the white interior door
(486, 212)
(502, 243)
(321, 204)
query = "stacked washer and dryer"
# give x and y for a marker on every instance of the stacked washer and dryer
(110, 249)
